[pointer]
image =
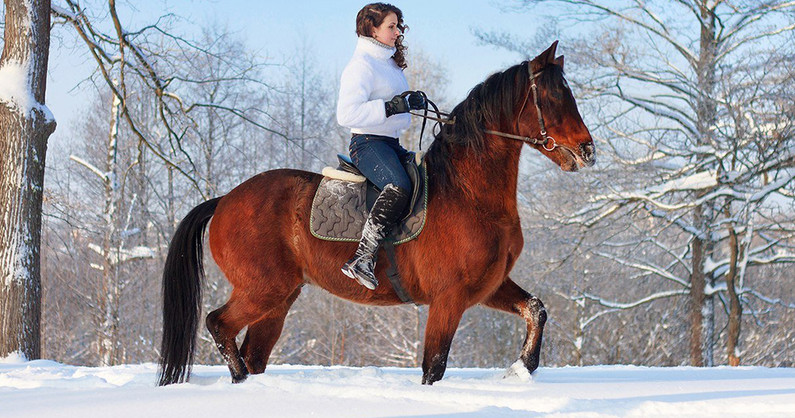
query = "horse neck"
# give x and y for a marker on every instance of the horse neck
(488, 178)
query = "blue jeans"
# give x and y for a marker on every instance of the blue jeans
(380, 159)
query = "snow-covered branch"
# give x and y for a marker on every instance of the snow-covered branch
(103, 176)
(121, 256)
(629, 305)
(648, 267)
(768, 300)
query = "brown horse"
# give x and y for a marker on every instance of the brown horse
(260, 237)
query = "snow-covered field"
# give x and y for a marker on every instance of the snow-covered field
(47, 389)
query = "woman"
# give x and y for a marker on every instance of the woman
(374, 103)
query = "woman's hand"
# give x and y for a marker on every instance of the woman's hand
(416, 100)
(403, 102)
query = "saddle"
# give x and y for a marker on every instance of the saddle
(344, 199)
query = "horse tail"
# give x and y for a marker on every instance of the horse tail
(182, 294)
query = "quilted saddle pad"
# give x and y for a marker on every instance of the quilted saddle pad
(339, 211)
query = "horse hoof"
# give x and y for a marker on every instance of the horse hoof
(518, 370)
(530, 362)
(239, 379)
(430, 378)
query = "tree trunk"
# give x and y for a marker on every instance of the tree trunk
(702, 317)
(579, 331)
(25, 126)
(109, 298)
(735, 309)
(697, 285)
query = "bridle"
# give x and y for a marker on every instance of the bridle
(542, 139)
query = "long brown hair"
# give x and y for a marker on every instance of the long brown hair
(372, 16)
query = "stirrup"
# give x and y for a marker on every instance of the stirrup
(349, 270)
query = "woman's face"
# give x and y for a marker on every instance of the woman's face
(387, 32)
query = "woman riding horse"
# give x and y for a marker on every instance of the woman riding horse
(261, 240)
(371, 78)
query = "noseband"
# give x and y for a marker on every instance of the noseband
(544, 139)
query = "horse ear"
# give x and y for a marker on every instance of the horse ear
(559, 61)
(546, 57)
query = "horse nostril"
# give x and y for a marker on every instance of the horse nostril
(588, 150)
(588, 153)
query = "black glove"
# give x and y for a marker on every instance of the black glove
(416, 100)
(404, 102)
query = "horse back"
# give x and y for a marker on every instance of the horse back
(260, 238)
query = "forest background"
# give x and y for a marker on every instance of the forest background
(674, 249)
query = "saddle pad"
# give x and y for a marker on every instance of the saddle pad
(339, 211)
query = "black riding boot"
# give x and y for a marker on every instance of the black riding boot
(385, 214)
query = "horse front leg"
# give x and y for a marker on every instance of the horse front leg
(443, 319)
(511, 298)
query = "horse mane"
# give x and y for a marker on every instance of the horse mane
(490, 103)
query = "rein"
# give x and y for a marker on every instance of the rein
(441, 117)
(544, 140)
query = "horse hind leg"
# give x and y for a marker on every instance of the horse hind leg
(262, 335)
(224, 324)
(511, 298)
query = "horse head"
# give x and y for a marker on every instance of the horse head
(549, 113)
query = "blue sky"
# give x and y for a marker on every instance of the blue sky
(441, 28)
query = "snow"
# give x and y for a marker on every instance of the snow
(14, 85)
(697, 181)
(14, 89)
(45, 388)
(58, 10)
(119, 256)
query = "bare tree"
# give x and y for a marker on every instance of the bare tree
(689, 95)
(112, 248)
(305, 110)
(179, 105)
(152, 59)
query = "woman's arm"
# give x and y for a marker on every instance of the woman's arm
(354, 109)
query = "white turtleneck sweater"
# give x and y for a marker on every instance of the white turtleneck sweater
(371, 78)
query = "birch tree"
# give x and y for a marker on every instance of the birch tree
(25, 126)
(115, 227)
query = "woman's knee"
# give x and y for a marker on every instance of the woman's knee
(403, 181)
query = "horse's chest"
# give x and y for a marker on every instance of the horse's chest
(511, 240)
(499, 242)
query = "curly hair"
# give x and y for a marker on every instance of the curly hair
(371, 16)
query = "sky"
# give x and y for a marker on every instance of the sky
(442, 29)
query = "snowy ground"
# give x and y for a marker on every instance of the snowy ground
(48, 389)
